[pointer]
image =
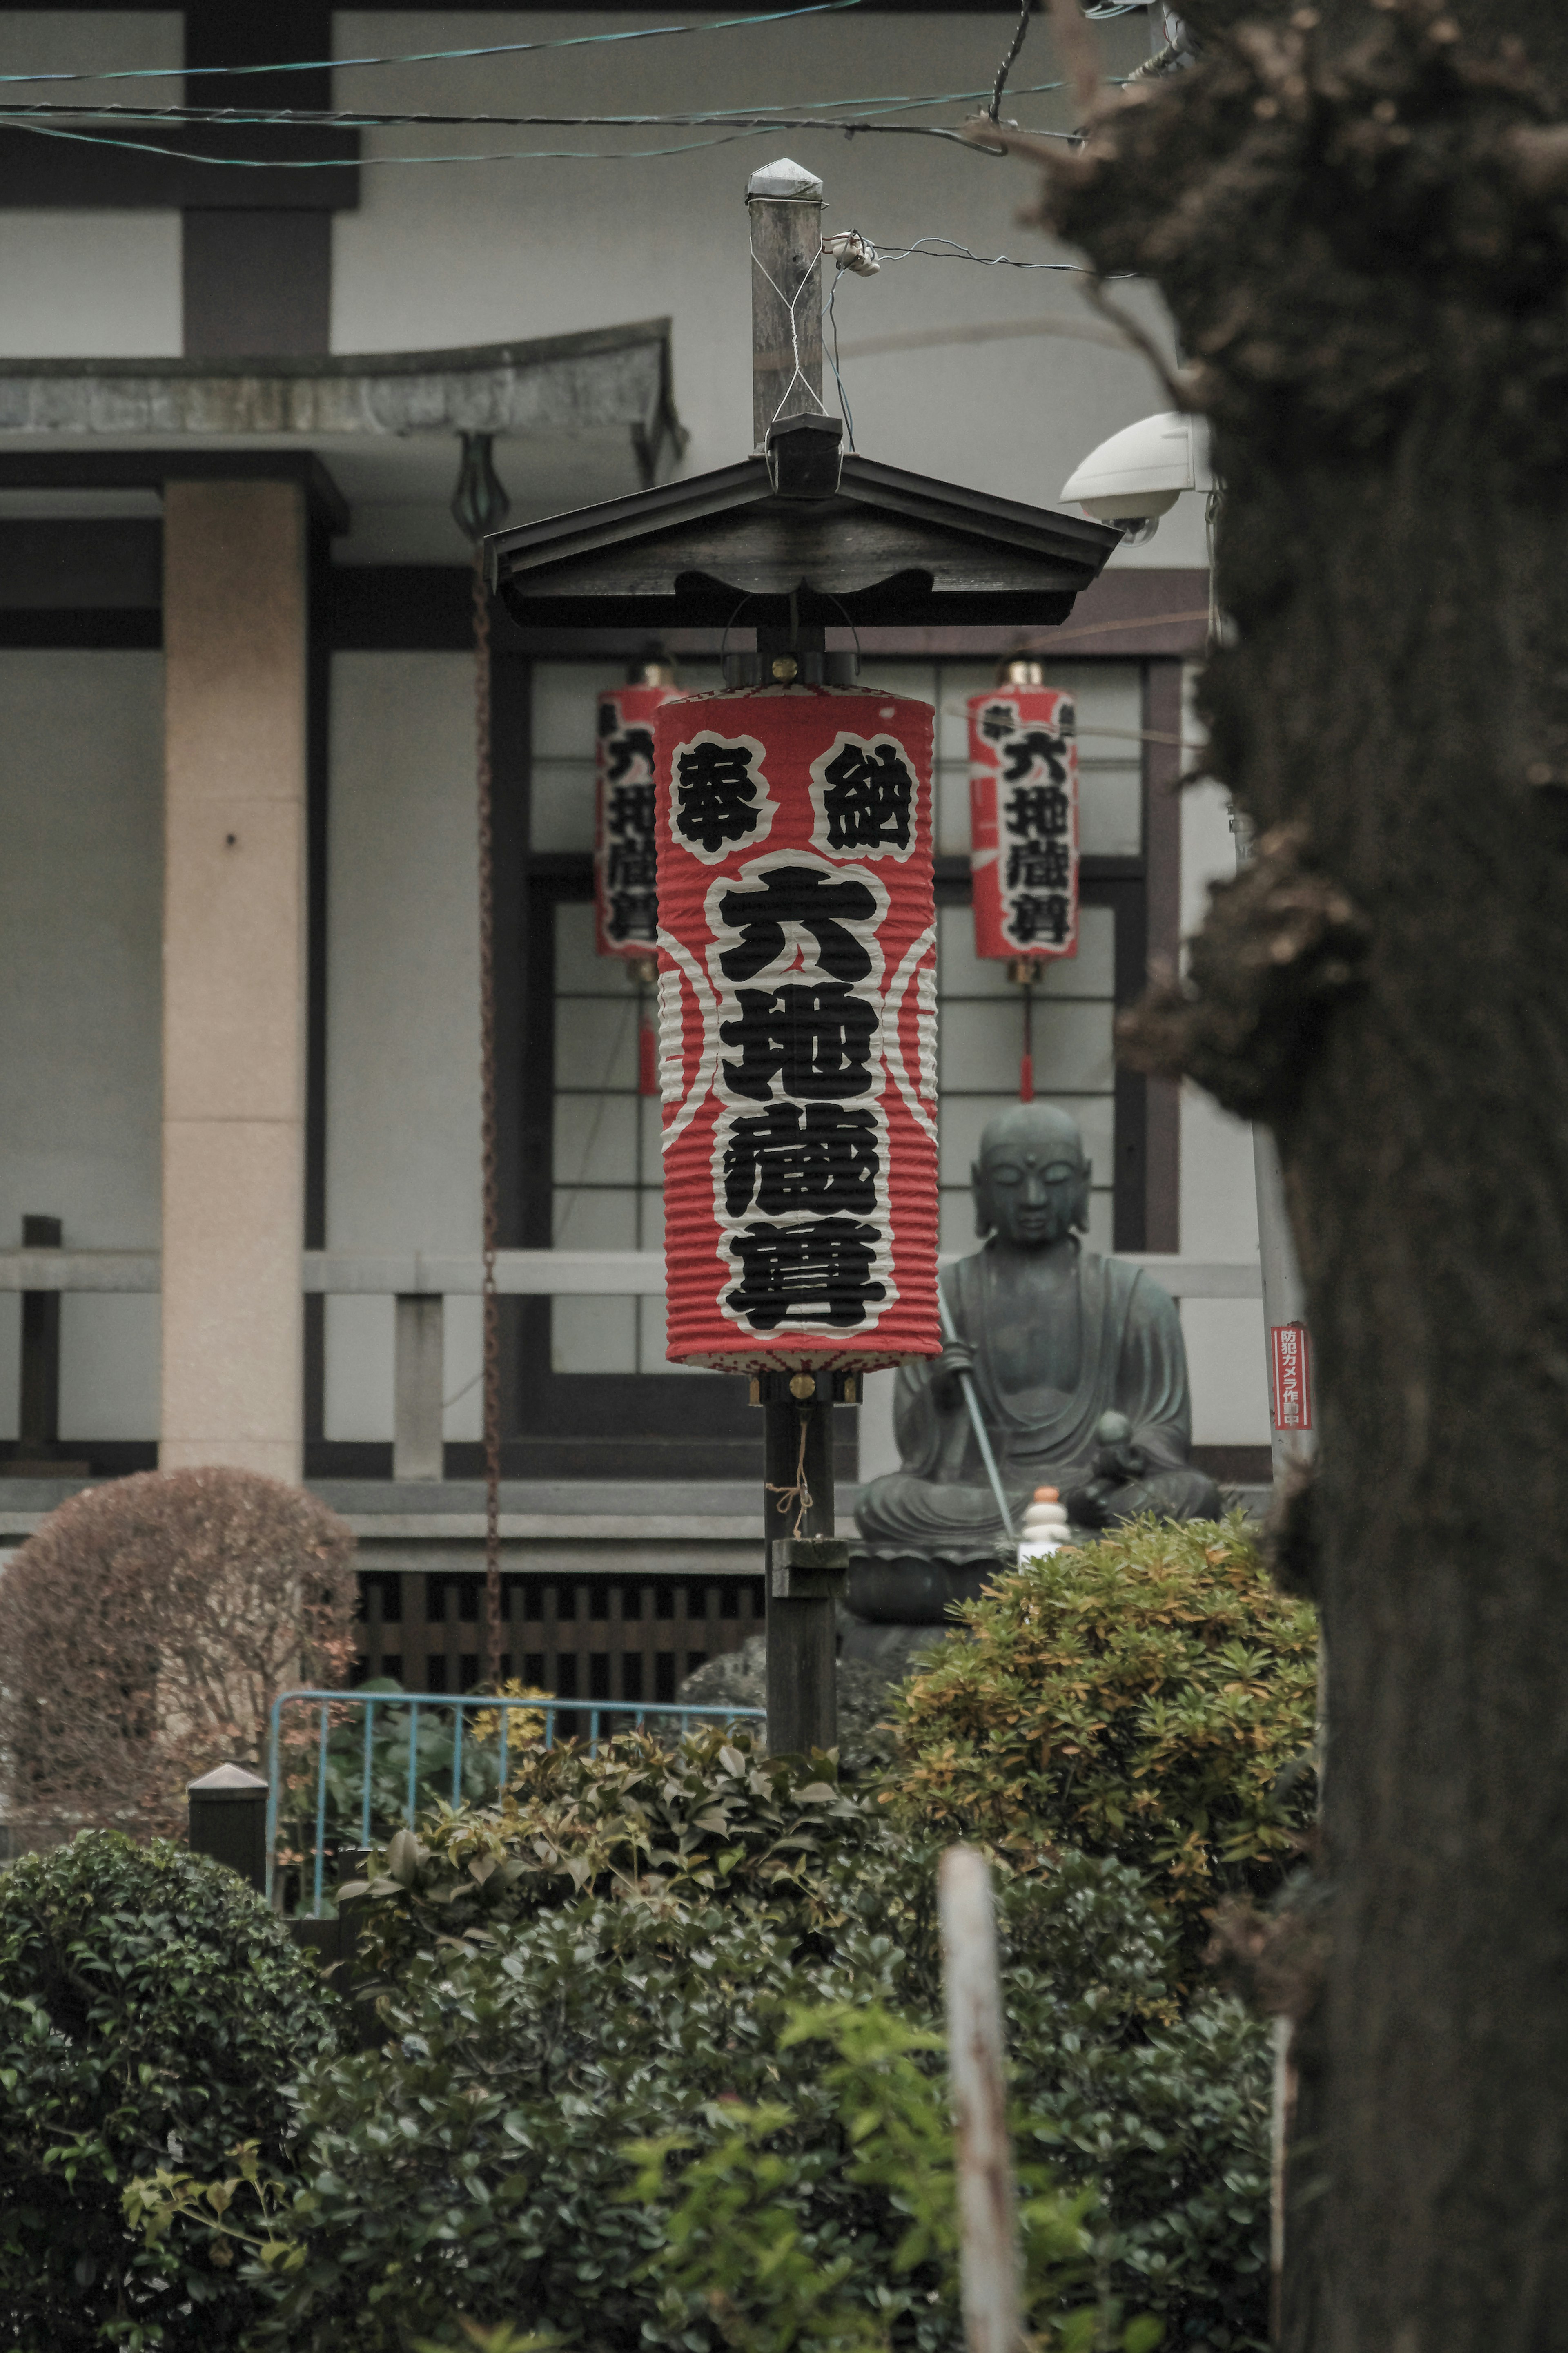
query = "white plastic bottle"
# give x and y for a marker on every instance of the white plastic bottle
(1044, 1526)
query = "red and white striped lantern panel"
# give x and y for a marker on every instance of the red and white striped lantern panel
(797, 1028)
(1022, 807)
(626, 900)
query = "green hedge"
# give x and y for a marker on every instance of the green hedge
(1149, 1696)
(478, 2164)
(151, 2009)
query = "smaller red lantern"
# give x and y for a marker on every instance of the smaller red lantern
(625, 857)
(1022, 800)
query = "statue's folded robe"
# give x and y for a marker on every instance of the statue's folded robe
(1130, 1361)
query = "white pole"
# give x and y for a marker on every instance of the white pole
(987, 2209)
(1287, 1343)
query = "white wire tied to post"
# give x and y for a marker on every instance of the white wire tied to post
(848, 250)
(790, 303)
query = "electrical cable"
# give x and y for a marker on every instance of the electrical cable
(740, 127)
(1008, 62)
(954, 251)
(367, 119)
(441, 57)
(844, 408)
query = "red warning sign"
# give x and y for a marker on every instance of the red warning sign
(1292, 1398)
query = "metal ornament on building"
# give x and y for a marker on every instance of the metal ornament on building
(626, 884)
(797, 1016)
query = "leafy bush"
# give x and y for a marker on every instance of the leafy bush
(446, 1770)
(148, 1624)
(1141, 1697)
(715, 1816)
(151, 2007)
(477, 2164)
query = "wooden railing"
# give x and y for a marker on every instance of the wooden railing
(421, 1283)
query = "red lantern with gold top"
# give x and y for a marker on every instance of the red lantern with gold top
(626, 897)
(1022, 807)
(797, 1005)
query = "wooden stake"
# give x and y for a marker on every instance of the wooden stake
(783, 203)
(987, 2205)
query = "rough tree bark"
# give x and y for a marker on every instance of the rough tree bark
(1358, 214)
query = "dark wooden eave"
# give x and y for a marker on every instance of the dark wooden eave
(889, 548)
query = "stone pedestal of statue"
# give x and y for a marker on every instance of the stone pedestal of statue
(1076, 1366)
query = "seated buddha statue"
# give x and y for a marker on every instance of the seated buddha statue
(1079, 1371)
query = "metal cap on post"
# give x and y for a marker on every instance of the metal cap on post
(228, 1821)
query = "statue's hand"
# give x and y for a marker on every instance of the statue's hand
(1090, 1507)
(1117, 1464)
(956, 1358)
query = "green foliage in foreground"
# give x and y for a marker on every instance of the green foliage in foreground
(1149, 1696)
(152, 2009)
(478, 2165)
(715, 1819)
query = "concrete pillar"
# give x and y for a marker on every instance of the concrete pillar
(233, 974)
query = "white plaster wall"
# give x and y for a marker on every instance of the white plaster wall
(88, 284)
(80, 903)
(403, 1010)
(465, 254)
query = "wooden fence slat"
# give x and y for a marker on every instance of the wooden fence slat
(555, 1623)
(647, 1627)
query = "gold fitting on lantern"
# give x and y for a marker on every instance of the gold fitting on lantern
(785, 666)
(644, 971)
(1023, 971)
(1021, 669)
(656, 670)
(803, 1386)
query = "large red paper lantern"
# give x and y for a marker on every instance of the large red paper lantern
(797, 1028)
(626, 895)
(1023, 803)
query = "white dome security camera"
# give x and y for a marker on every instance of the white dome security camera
(1140, 474)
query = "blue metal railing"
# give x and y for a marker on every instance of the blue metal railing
(637, 1711)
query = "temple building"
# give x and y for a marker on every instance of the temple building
(240, 1059)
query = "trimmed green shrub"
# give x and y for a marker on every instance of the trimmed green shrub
(151, 2009)
(712, 1817)
(1144, 1697)
(478, 2164)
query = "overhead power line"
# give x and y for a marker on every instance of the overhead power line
(729, 127)
(442, 57)
(376, 119)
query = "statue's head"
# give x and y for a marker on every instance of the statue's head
(1031, 1180)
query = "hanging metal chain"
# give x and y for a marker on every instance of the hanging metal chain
(491, 1640)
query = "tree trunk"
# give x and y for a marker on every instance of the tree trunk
(1360, 227)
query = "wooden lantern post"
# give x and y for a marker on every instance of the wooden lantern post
(798, 536)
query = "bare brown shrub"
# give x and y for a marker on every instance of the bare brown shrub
(146, 1627)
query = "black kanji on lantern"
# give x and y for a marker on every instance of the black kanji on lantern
(1033, 752)
(628, 814)
(866, 796)
(1038, 810)
(631, 861)
(633, 916)
(630, 753)
(821, 903)
(819, 1273)
(1039, 866)
(794, 1157)
(813, 1038)
(997, 720)
(718, 795)
(1044, 919)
